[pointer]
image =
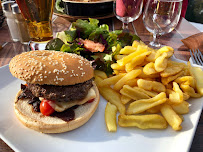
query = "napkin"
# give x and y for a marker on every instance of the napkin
(194, 41)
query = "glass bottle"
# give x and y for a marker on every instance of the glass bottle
(10, 20)
(21, 24)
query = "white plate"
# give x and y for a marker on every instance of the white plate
(93, 136)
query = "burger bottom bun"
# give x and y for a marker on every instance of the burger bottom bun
(48, 124)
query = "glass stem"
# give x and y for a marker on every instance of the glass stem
(155, 39)
(125, 27)
(155, 43)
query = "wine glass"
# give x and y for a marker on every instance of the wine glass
(161, 17)
(127, 11)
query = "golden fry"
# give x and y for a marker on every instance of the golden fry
(161, 62)
(151, 85)
(171, 117)
(133, 93)
(129, 58)
(166, 49)
(135, 44)
(172, 69)
(144, 76)
(174, 98)
(131, 75)
(182, 108)
(125, 99)
(149, 93)
(116, 66)
(151, 57)
(149, 69)
(154, 110)
(127, 50)
(197, 73)
(113, 97)
(153, 121)
(110, 117)
(166, 80)
(140, 106)
(190, 91)
(111, 80)
(119, 57)
(132, 82)
(176, 95)
(101, 74)
(97, 80)
(187, 80)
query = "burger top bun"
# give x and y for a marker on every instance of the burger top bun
(51, 67)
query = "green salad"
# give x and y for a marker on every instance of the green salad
(93, 41)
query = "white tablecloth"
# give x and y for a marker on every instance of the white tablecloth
(198, 26)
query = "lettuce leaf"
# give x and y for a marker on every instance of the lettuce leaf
(84, 27)
(54, 44)
(72, 48)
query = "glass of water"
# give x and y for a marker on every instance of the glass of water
(161, 17)
(127, 11)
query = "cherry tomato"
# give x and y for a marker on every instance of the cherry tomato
(45, 107)
(91, 100)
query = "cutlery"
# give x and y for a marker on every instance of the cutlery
(196, 56)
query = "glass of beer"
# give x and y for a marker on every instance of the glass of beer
(38, 15)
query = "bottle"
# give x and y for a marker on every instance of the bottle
(10, 20)
(1, 15)
(21, 24)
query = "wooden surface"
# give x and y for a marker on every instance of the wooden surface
(183, 30)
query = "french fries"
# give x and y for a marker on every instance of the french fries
(148, 89)
(113, 97)
(142, 105)
(153, 121)
(171, 117)
(110, 117)
(100, 74)
(131, 75)
(133, 93)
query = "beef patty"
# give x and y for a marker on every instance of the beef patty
(61, 93)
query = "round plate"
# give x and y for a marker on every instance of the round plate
(82, 17)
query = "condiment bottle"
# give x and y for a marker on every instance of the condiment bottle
(10, 20)
(21, 24)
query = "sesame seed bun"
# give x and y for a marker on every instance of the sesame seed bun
(47, 124)
(51, 67)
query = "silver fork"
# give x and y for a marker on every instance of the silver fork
(196, 56)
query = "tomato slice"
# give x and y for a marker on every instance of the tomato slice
(45, 107)
(91, 100)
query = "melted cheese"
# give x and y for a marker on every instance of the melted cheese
(61, 106)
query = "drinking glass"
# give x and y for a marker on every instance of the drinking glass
(127, 11)
(161, 17)
(38, 16)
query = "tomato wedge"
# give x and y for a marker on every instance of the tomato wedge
(91, 100)
(92, 46)
(45, 107)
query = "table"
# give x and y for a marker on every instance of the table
(183, 30)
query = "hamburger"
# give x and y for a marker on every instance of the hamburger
(59, 93)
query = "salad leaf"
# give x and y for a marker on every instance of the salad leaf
(126, 38)
(84, 27)
(116, 50)
(72, 48)
(113, 42)
(101, 31)
(59, 6)
(67, 36)
(54, 44)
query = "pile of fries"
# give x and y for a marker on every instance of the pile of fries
(149, 90)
